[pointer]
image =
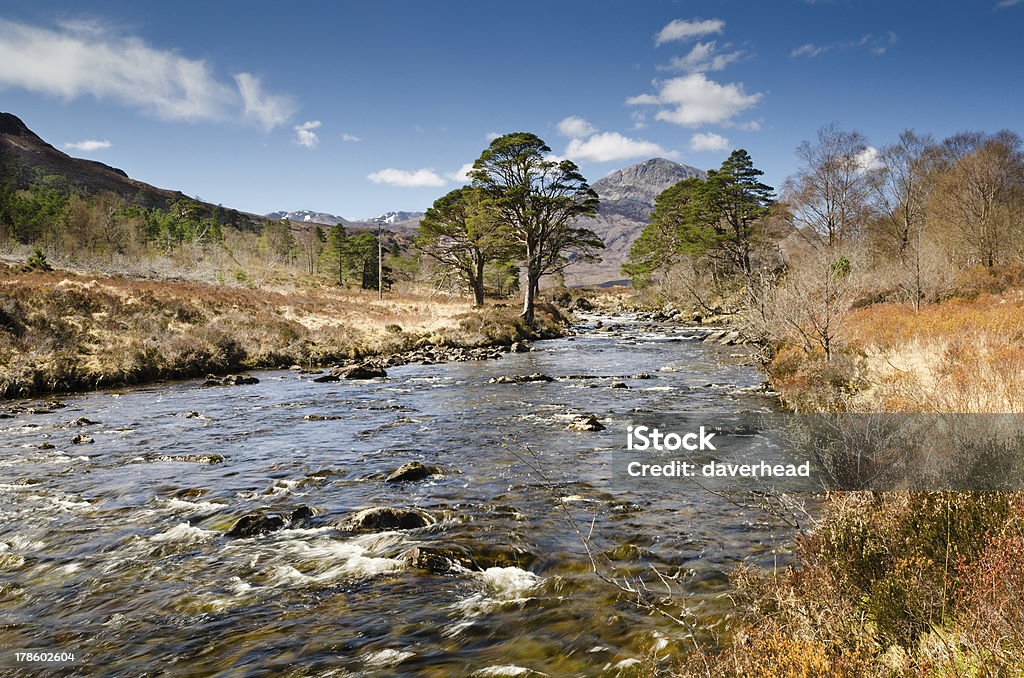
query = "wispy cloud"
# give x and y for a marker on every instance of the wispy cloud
(1003, 4)
(304, 134)
(491, 136)
(421, 178)
(461, 175)
(88, 145)
(681, 29)
(608, 146)
(708, 141)
(82, 58)
(694, 100)
(575, 126)
(350, 138)
(705, 56)
(267, 110)
(877, 45)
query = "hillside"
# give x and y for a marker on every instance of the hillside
(27, 160)
(627, 199)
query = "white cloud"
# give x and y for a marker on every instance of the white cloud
(267, 110)
(491, 136)
(575, 127)
(877, 45)
(88, 145)
(304, 134)
(420, 178)
(461, 175)
(350, 138)
(708, 141)
(694, 100)
(868, 159)
(680, 29)
(639, 119)
(705, 56)
(86, 59)
(1003, 4)
(608, 146)
(809, 50)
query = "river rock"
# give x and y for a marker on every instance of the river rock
(46, 446)
(82, 421)
(327, 378)
(730, 338)
(440, 560)
(521, 379)
(586, 422)
(380, 518)
(301, 514)
(230, 380)
(503, 555)
(414, 470)
(643, 375)
(322, 417)
(364, 371)
(81, 439)
(582, 304)
(520, 347)
(714, 336)
(619, 384)
(254, 524)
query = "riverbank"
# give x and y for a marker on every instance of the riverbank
(64, 332)
(896, 583)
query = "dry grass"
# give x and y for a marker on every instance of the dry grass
(61, 331)
(956, 356)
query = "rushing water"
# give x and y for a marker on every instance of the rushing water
(117, 549)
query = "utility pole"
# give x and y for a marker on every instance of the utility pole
(380, 261)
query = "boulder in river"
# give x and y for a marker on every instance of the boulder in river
(521, 379)
(82, 439)
(256, 523)
(327, 378)
(380, 518)
(586, 422)
(82, 421)
(414, 470)
(301, 514)
(230, 380)
(619, 384)
(520, 347)
(440, 559)
(364, 371)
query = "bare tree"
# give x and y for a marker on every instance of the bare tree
(829, 197)
(980, 198)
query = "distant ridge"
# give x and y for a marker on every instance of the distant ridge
(399, 222)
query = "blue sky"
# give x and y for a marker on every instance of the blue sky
(359, 108)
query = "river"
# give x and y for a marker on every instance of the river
(117, 550)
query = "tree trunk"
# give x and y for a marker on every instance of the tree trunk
(478, 284)
(528, 301)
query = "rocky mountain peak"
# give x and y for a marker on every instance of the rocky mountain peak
(645, 180)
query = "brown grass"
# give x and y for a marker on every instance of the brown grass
(61, 331)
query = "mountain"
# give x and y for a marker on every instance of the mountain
(308, 217)
(397, 222)
(627, 200)
(26, 160)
